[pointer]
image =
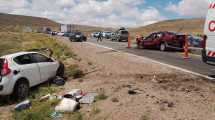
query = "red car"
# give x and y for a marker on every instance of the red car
(162, 41)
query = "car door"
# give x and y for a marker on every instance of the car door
(176, 40)
(156, 39)
(28, 69)
(148, 42)
(47, 66)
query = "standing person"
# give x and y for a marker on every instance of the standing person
(99, 37)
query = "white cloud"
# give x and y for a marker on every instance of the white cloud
(190, 8)
(90, 12)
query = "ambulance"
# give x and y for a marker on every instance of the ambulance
(208, 52)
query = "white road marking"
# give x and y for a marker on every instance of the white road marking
(154, 61)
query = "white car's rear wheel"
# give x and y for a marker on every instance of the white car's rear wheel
(21, 90)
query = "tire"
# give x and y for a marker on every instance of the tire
(60, 70)
(21, 90)
(204, 57)
(141, 46)
(163, 47)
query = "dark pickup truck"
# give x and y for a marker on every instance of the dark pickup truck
(120, 35)
(77, 37)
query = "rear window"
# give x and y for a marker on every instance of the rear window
(124, 32)
(23, 59)
(78, 33)
(41, 58)
(1, 63)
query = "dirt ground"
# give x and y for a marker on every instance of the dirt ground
(137, 88)
(160, 93)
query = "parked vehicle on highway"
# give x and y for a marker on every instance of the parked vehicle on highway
(106, 34)
(78, 37)
(162, 41)
(22, 70)
(195, 41)
(60, 34)
(65, 28)
(95, 34)
(54, 33)
(208, 52)
(68, 34)
(120, 35)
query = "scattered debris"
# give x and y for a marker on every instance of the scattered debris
(114, 100)
(46, 97)
(56, 115)
(132, 92)
(167, 103)
(75, 94)
(128, 86)
(154, 79)
(170, 104)
(69, 101)
(67, 105)
(50, 97)
(23, 105)
(59, 81)
(88, 98)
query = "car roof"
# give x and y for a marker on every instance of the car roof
(16, 54)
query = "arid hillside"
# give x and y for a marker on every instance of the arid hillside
(191, 26)
(89, 29)
(10, 22)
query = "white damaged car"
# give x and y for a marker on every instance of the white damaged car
(23, 70)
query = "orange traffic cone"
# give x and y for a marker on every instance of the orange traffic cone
(186, 48)
(129, 41)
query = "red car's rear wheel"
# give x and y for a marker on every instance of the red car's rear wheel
(163, 47)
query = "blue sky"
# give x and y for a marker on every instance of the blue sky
(159, 4)
(114, 13)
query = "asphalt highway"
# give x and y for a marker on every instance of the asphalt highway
(194, 63)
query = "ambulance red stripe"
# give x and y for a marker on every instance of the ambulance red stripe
(211, 53)
(212, 5)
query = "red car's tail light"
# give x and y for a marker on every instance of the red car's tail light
(5, 68)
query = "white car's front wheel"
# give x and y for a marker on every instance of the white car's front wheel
(60, 70)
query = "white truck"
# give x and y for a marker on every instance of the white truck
(208, 52)
(66, 28)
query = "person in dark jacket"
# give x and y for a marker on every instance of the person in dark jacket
(99, 37)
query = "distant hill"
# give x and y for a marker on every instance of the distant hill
(89, 29)
(191, 26)
(10, 22)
